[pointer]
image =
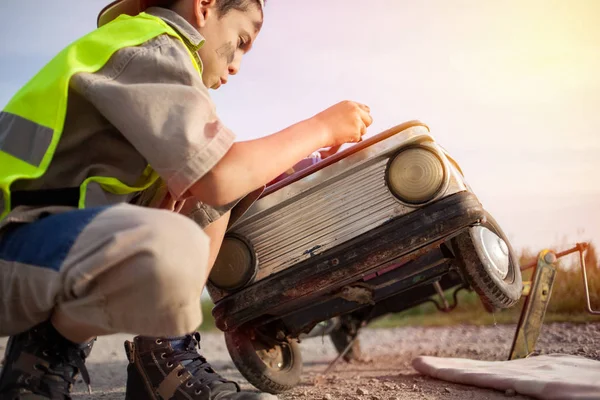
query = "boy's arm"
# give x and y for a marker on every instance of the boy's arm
(251, 164)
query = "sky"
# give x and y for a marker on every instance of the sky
(510, 88)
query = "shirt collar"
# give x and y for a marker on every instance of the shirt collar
(191, 37)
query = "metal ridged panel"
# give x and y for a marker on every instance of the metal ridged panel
(322, 219)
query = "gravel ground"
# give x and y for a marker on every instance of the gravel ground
(386, 371)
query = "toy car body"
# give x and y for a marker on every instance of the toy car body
(372, 229)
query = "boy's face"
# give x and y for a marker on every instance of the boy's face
(228, 38)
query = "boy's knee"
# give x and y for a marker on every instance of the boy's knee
(160, 272)
(175, 252)
(136, 270)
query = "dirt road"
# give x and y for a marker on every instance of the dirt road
(385, 374)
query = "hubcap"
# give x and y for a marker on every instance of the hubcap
(492, 249)
(278, 358)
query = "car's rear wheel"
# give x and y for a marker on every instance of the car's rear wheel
(271, 365)
(489, 264)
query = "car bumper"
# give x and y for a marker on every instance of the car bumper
(398, 240)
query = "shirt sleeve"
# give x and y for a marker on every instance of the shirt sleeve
(153, 95)
(205, 215)
(157, 196)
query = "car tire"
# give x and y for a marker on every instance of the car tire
(269, 365)
(496, 292)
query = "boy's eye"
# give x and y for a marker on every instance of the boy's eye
(243, 43)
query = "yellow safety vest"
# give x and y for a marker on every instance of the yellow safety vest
(32, 123)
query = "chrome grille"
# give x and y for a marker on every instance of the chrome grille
(331, 214)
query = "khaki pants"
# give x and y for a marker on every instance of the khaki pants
(122, 269)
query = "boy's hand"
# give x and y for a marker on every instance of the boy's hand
(345, 122)
(329, 152)
(243, 168)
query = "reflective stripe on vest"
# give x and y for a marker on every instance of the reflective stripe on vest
(32, 122)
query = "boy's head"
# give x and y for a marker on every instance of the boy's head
(229, 27)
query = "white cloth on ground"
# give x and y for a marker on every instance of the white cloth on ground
(553, 376)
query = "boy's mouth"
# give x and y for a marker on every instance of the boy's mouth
(217, 85)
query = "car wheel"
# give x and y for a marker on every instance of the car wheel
(489, 264)
(270, 365)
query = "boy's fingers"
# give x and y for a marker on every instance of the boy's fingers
(366, 118)
(364, 107)
(363, 130)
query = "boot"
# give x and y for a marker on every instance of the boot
(172, 368)
(42, 364)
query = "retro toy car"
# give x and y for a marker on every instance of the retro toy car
(375, 228)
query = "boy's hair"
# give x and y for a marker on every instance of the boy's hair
(223, 6)
(133, 7)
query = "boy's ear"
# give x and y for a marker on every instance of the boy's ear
(204, 9)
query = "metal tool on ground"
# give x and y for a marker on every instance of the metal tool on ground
(537, 293)
(343, 353)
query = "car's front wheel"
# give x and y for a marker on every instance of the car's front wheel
(489, 264)
(271, 365)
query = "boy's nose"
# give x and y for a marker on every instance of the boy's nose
(233, 69)
(234, 66)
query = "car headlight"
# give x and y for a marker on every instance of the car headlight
(415, 175)
(235, 265)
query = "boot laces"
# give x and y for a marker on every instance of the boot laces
(188, 355)
(60, 373)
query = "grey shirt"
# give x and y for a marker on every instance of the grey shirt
(147, 105)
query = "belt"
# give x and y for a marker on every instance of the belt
(45, 197)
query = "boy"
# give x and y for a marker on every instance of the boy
(90, 141)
